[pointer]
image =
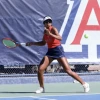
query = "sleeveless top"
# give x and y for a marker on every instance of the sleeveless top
(51, 41)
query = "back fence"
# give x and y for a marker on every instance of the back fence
(54, 69)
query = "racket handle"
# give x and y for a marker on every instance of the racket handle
(23, 44)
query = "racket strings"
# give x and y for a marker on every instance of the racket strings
(9, 43)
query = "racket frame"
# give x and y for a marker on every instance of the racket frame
(10, 40)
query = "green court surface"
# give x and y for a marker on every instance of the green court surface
(17, 90)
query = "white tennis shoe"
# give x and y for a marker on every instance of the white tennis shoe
(86, 87)
(40, 90)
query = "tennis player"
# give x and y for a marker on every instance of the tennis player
(55, 51)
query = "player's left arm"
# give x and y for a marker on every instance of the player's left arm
(54, 33)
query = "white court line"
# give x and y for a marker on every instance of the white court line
(46, 99)
(40, 97)
(43, 98)
(72, 94)
(34, 97)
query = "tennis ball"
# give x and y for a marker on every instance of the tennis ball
(86, 36)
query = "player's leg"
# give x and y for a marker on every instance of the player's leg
(63, 61)
(43, 65)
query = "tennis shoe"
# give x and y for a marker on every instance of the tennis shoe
(86, 87)
(40, 90)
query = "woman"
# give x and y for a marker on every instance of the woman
(55, 51)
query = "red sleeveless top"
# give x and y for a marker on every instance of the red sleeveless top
(51, 41)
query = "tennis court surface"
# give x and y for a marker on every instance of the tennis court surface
(54, 91)
(64, 97)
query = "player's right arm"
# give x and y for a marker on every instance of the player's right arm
(40, 43)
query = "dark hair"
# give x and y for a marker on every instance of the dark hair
(47, 21)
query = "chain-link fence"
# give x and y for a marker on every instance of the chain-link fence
(54, 69)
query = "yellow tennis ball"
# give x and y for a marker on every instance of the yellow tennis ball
(86, 36)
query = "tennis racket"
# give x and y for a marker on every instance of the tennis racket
(11, 43)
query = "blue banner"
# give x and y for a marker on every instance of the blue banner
(22, 21)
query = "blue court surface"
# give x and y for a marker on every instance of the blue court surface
(63, 97)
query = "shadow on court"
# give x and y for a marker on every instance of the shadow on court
(42, 93)
(16, 92)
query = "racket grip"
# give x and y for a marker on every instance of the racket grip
(23, 44)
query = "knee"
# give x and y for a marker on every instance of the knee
(69, 71)
(40, 70)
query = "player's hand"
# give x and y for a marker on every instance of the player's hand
(28, 43)
(47, 31)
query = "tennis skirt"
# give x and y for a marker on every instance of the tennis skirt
(56, 52)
